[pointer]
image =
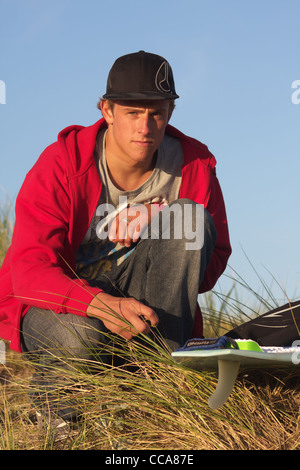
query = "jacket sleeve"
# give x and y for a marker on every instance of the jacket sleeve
(42, 260)
(215, 205)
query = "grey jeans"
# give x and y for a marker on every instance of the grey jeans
(160, 272)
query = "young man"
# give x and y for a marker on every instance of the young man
(105, 223)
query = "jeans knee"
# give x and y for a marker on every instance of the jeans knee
(192, 223)
(61, 335)
(84, 336)
(184, 221)
(182, 202)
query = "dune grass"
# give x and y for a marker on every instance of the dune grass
(154, 403)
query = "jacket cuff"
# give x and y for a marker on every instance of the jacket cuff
(79, 298)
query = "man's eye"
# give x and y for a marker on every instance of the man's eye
(158, 115)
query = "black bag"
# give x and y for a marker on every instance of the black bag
(278, 327)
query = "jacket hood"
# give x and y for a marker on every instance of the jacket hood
(76, 143)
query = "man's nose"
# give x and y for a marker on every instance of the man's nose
(145, 125)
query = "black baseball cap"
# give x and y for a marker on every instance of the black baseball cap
(140, 76)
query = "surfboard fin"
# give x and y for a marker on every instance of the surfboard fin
(228, 371)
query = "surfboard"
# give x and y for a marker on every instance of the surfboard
(228, 362)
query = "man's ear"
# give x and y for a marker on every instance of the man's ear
(107, 111)
(171, 109)
(170, 115)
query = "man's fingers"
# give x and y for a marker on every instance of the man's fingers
(128, 225)
(148, 314)
(126, 317)
(138, 315)
(118, 232)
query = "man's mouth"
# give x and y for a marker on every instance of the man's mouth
(143, 142)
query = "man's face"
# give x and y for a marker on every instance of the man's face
(135, 129)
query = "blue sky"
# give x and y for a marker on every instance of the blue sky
(234, 63)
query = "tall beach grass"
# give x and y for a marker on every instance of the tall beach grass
(154, 403)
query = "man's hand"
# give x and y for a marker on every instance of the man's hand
(127, 227)
(126, 317)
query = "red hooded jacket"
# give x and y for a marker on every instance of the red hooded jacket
(53, 211)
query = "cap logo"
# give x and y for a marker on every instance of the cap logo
(162, 78)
